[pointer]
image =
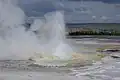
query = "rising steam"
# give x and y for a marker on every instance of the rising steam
(16, 43)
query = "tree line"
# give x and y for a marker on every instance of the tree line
(110, 32)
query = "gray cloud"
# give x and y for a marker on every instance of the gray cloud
(74, 11)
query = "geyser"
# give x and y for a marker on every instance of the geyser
(52, 35)
(17, 43)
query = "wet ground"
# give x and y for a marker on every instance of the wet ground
(106, 69)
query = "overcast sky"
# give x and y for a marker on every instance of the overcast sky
(98, 9)
(107, 1)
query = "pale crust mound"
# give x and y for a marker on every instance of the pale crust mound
(76, 59)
